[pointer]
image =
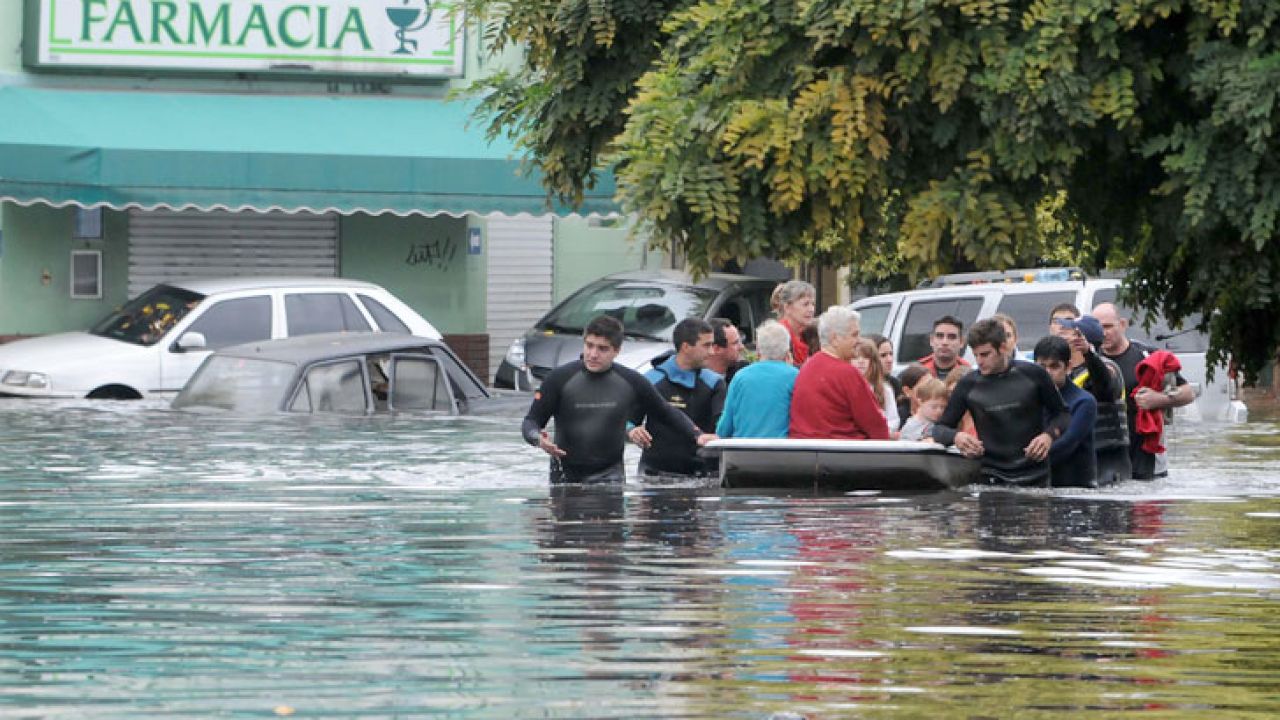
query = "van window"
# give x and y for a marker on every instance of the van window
(920, 316)
(1031, 313)
(1183, 339)
(873, 318)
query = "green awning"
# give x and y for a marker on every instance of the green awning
(262, 152)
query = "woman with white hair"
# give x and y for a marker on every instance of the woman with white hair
(759, 401)
(831, 398)
(795, 301)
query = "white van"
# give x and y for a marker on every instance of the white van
(907, 318)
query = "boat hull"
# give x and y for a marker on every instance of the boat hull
(843, 465)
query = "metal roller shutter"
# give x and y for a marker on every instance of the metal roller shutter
(170, 245)
(520, 278)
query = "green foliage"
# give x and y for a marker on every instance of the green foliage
(923, 136)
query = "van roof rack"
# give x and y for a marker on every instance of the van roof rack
(1021, 275)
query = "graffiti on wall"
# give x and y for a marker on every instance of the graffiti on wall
(436, 253)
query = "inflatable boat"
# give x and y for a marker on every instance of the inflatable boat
(842, 465)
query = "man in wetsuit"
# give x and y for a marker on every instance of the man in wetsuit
(1071, 456)
(1127, 354)
(591, 400)
(1015, 407)
(947, 345)
(699, 393)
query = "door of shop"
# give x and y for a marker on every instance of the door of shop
(172, 245)
(520, 278)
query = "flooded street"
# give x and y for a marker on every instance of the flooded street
(163, 564)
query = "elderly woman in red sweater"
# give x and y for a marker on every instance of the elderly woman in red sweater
(795, 302)
(831, 398)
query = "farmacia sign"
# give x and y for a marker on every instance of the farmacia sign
(330, 37)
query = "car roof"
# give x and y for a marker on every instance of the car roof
(306, 349)
(715, 281)
(213, 285)
(1012, 288)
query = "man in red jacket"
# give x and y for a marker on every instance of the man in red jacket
(1117, 346)
(831, 398)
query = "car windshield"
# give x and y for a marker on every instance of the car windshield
(246, 385)
(1183, 339)
(146, 318)
(646, 309)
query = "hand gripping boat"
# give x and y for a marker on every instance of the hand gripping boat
(842, 465)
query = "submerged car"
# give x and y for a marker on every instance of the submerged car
(356, 374)
(648, 303)
(156, 341)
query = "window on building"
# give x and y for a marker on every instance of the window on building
(86, 274)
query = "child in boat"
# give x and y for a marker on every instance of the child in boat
(909, 377)
(866, 358)
(931, 399)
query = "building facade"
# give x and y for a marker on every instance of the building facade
(146, 140)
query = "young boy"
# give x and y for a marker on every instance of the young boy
(931, 400)
(1071, 459)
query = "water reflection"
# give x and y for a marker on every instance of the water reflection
(164, 564)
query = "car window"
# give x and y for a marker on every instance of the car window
(646, 309)
(760, 307)
(247, 385)
(920, 317)
(1030, 311)
(464, 383)
(737, 310)
(146, 318)
(235, 321)
(335, 387)
(418, 383)
(386, 320)
(310, 313)
(873, 318)
(1184, 338)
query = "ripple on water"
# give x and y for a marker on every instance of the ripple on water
(170, 564)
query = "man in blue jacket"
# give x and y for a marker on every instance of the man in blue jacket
(1071, 458)
(688, 386)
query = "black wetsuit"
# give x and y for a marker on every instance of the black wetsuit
(1144, 463)
(1102, 378)
(1009, 410)
(591, 411)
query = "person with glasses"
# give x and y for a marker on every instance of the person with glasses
(947, 343)
(726, 351)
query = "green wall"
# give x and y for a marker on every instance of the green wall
(423, 261)
(585, 250)
(38, 239)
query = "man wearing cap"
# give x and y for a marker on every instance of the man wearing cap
(1101, 377)
(1127, 354)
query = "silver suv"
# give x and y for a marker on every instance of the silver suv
(648, 303)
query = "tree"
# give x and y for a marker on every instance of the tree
(925, 132)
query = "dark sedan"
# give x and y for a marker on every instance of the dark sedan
(350, 373)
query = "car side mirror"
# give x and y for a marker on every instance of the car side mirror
(191, 341)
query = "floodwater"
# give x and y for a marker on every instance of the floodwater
(163, 564)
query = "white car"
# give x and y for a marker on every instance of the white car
(906, 318)
(154, 343)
